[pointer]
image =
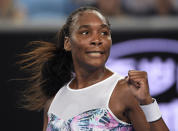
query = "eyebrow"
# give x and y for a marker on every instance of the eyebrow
(88, 26)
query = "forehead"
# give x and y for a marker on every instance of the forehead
(89, 17)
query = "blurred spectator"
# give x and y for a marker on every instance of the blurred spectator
(9, 10)
(84, 2)
(174, 5)
(6, 9)
(139, 7)
(109, 8)
(147, 7)
(49, 9)
(163, 7)
(37, 9)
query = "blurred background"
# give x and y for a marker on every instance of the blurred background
(145, 37)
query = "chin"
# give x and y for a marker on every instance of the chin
(96, 64)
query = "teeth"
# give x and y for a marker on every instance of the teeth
(95, 53)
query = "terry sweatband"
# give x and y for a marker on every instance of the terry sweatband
(151, 111)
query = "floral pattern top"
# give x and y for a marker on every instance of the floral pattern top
(93, 120)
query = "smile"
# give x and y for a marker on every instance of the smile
(95, 53)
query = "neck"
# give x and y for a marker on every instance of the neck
(89, 77)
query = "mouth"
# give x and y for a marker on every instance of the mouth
(95, 53)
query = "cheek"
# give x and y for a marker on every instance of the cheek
(79, 43)
(108, 43)
(77, 49)
(77, 46)
(107, 47)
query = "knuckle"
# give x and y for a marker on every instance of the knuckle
(145, 72)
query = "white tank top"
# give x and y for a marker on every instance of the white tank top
(85, 109)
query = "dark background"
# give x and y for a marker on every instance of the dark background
(13, 43)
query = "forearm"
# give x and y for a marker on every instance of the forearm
(158, 125)
(138, 81)
(138, 119)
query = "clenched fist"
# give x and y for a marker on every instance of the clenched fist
(138, 81)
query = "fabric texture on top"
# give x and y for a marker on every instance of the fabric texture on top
(85, 109)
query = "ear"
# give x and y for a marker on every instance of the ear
(67, 44)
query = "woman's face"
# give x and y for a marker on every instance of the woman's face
(90, 40)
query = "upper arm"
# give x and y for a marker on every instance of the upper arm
(131, 106)
(45, 113)
(135, 113)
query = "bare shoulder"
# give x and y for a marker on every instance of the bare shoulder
(121, 100)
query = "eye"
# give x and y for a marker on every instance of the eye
(84, 32)
(104, 33)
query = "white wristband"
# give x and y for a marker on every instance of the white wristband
(151, 111)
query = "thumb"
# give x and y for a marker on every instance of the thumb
(127, 78)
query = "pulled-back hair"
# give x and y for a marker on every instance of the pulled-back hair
(49, 65)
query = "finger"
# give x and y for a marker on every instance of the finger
(141, 74)
(137, 77)
(134, 83)
(134, 88)
(140, 83)
(127, 78)
(137, 72)
(138, 80)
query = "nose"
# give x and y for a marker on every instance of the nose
(96, 41)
